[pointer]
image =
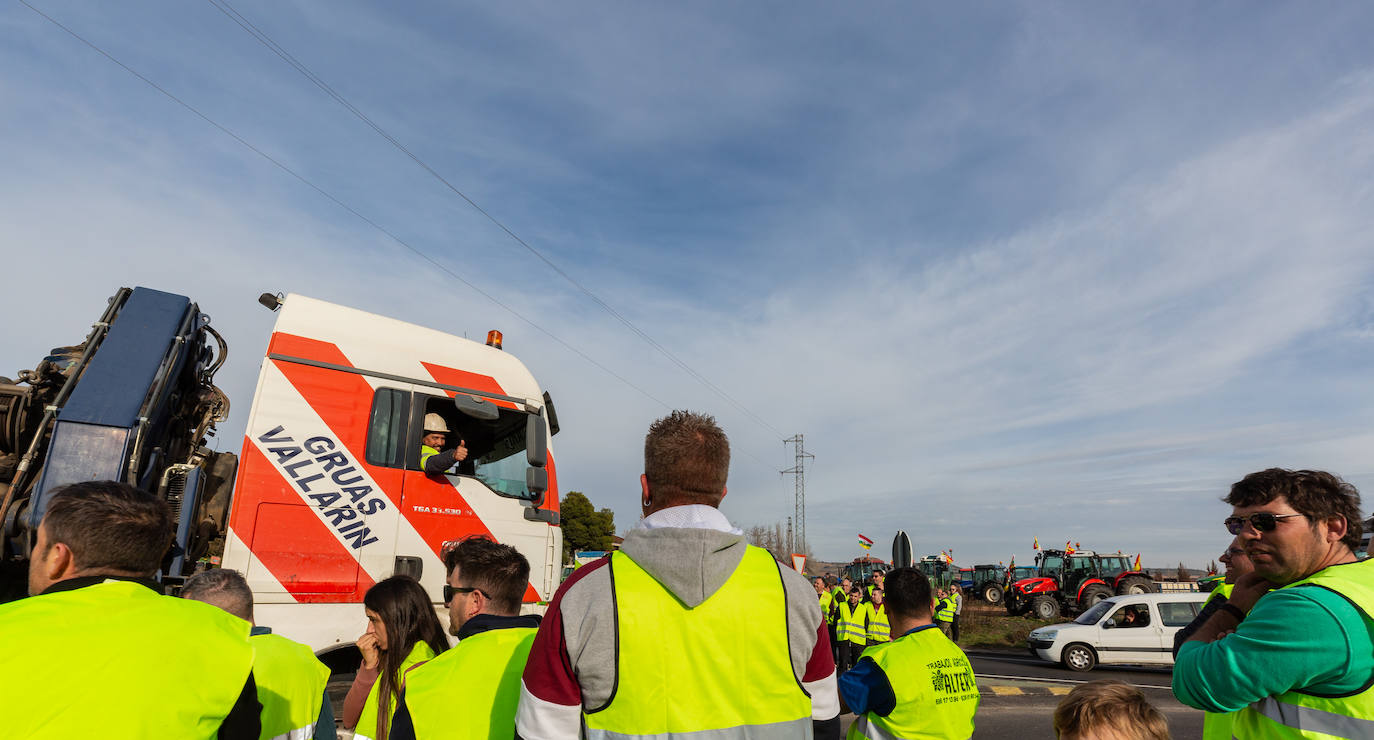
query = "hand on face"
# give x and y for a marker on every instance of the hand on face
(372, 653)
(373, 642)
(1248, 589)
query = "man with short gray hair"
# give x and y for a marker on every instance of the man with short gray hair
(291, 681)
(687, 629)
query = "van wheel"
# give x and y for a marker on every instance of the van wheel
(1078, 657)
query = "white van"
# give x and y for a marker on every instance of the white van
(1136, 628)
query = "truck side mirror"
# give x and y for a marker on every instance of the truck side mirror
(536, 441)
(537, 455)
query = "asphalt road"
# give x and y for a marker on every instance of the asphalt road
(1019, 694)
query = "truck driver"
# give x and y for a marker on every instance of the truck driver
(432, 460)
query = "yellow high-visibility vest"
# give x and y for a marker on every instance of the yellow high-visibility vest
(1296, 714)
(367, 721)
(944, 610)
(878, 628)
(426, 452)
(291, 682)
(849, 624)
(482, 671)
(1218, 725)
(934, 686)
(119, 660)
(723, 666)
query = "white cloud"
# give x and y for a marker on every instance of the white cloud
(1098, 367)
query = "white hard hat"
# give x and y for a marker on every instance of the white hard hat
(435, 423)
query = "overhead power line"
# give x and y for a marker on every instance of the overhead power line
(248, 27)
(359, 215)
(343, 205)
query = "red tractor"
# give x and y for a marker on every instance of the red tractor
(1073, 582)
(1116, 569)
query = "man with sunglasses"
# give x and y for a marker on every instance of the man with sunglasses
(1298, 662)
(472, 690)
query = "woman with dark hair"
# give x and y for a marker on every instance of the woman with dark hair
(402, 632)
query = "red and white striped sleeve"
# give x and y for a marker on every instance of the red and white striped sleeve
(550, 697)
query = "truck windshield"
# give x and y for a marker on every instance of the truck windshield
(501, 462)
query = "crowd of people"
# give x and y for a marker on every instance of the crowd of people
(686, 630)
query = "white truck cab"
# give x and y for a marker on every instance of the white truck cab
(330, 497)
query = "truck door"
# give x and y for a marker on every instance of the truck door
(486, 494)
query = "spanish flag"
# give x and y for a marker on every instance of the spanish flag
(1137, 562)
(1037, 544)
(1068, 548)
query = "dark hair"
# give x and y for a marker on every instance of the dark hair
(1315, 494)
(109, 526)
(687, 459)
(408, 617)
(500, 571)
(906, 593)
(224, 588)
(1109, 704)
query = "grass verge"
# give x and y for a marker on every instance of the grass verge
(985, 626)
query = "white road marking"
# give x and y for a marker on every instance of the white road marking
(1060, 680)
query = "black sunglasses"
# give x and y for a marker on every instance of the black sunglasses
(451, 591)
(1262, 521)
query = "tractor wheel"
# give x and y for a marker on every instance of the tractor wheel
(1136, 585)
(1078, 657)
(1093, 594)
(1045, 607)
(992, 593)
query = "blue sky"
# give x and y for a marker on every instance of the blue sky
(1061, 271)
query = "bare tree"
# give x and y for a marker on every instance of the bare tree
(1183, 575)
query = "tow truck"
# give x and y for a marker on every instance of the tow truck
(327, 496)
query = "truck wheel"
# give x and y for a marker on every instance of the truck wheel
(992, 593)
(1078, 657)
(1093, 594)
(1136, 585)
(1045, 607)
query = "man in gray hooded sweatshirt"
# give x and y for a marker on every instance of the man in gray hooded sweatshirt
(687, 629)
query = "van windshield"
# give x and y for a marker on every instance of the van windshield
(1096, 613)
